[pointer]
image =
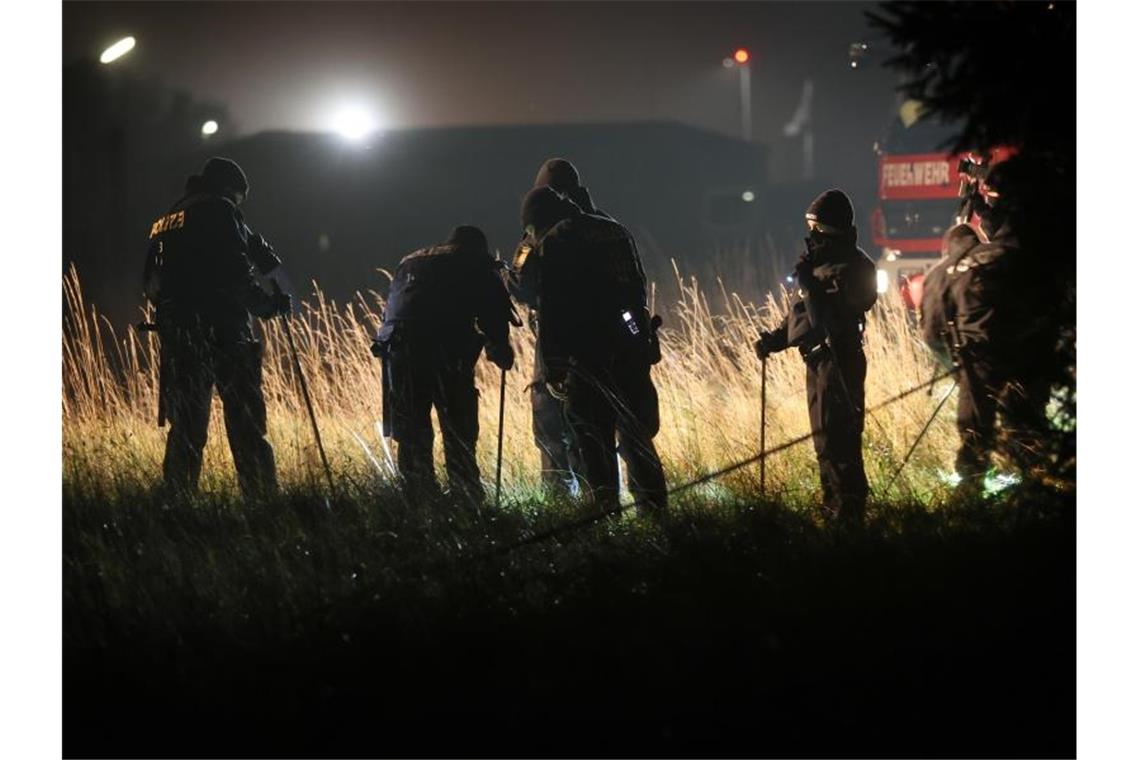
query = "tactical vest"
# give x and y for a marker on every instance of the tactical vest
(960, 298)
(433, 286)
(196, 264)
(592, 298)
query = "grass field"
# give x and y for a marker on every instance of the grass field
(708, 382)
(737, 626)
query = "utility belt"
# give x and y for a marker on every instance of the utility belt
(813, 352)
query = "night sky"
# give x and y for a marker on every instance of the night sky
(294, 65)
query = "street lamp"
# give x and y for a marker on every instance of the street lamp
(742, 60)
(118, 50)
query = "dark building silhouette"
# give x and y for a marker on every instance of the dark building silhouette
(337, 210)
(120, 129)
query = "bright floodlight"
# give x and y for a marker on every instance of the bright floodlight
(118, 50)
(210, 127)
(353, 123)
(741, 56)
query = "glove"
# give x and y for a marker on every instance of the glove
(654, 341)
(502, 355)
(262, 255)
(555, 377)
(765, 347)
(557, 390)
(803, 270)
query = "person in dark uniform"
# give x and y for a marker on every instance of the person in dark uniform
(936, 304)
(439, 296)
(199, 275)
(598, 344)
(981, 307)
(550, 432)
(563, 177)
(836, 287)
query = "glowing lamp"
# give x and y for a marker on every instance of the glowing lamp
(354, 123)
(882, 281)
(118, 50)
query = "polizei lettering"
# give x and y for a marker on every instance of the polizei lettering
(916, 174)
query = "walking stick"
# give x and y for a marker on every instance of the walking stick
(921, 433)
(499, 457)
(305, 393)
(763, 420)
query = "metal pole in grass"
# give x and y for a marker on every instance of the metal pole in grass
(499, 456)
(763, 420)
(921, 433)
(305, 394)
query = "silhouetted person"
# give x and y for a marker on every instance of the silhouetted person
(199, 276)
(446, 304)
(836, 287)
(598, 344)
(981, 305)
(551, 434)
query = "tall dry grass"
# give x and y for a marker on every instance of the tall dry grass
(708, 381)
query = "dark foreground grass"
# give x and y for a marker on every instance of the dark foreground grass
(384, 628)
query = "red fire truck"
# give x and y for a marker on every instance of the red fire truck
(917, 203)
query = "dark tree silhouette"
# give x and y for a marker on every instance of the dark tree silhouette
(1006, 73)
(1005, 70)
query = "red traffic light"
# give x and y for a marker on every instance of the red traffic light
(741, 56)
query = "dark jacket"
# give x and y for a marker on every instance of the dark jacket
(937, 303)
(197, 268)
(522, 279)
(832, 301)
(450, 295)
(996, 303)
(592, 293)
(582, 199)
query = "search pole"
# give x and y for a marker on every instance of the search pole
(763, 424)
(499, 455)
